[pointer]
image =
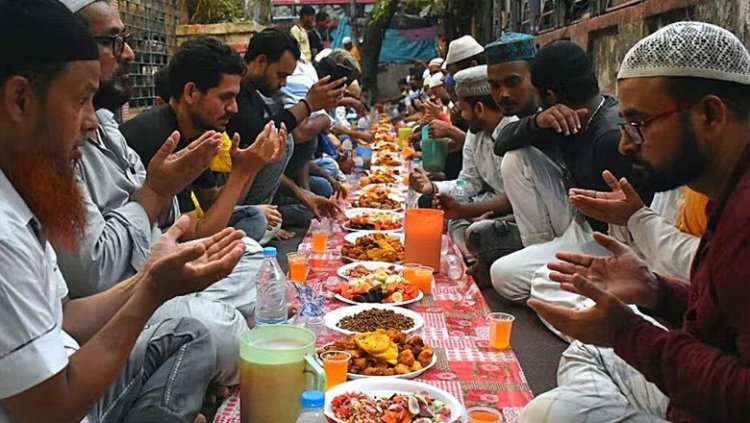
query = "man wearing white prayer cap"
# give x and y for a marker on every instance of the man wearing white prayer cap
(480, 172)
(685, 102)
(463, 53)
(434, 65)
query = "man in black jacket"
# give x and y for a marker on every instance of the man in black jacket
(568, 143)
(271, 58)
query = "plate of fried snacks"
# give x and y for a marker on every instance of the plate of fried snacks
(384, 353)
(373, 246)
(365, 268)
(390, 160)
(377, 177)
(391, 400)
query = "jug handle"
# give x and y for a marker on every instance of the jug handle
(314, 369)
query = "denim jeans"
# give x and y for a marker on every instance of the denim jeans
(320, 186)
(331, 166)
(251, 220)
(165, 378)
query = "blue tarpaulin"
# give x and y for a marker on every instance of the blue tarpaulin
(399, 45)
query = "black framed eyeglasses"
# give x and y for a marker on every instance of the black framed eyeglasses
(634, 129)
(116, 42)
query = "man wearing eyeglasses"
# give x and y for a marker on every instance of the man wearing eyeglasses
(687, 120)
(126, 205)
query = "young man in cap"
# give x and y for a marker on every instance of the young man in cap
(299, 31)
(351, 48)
(686, 120)
(481, 168)
(541, 163)
(62, 360)
(463, 53)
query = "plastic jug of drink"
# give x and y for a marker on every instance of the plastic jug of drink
(275, 363)
(270, 306)
(312, 407)
(434, 153)
(423, 236)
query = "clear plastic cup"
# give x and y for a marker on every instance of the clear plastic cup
(500, 328)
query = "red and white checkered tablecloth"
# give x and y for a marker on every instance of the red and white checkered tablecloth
(456, 327)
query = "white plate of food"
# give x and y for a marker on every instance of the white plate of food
(377, 287)
(375, 397)
(364, 268)
(371, 317)
(373, 246)
(409, 356)
(353, 237)
(369, 219)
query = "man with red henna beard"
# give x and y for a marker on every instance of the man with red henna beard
(86, 359)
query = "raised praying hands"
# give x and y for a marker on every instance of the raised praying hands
(615, 207)
(269, 147)
(612, 282)
(175, 269)
(170, 172)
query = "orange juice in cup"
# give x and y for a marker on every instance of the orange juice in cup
(483, 415)
(336, 365)
(410, 270)
(423, 279)
(320, 241)
(500, 327)
(298, 267)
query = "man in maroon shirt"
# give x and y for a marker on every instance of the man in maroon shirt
(685, 99)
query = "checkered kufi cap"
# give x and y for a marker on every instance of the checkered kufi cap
(689, 49)
(472, 82)
(510, 47)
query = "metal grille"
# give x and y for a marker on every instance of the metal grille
(152, 23)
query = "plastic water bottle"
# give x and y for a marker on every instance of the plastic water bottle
(270, 306)
(312, 407)
(411, 199)
(347, 146)
(459, 191)
(455, 265)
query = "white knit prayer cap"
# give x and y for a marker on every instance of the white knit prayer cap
(323, 54)
(437, 80)
(462, 49)
(76, 5)
(472, 82)
(689, 49)
(438, 61)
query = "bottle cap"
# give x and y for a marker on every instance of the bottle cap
(269, 252)
(313, 399)
(460, 182)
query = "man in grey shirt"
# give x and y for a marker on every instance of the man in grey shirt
(126, 205)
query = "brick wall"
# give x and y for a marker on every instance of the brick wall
(608, 37)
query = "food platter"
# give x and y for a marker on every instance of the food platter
(413, 356)
(418, 298)
(386, 388)
(344, 271)
(334, 317)
(378, 246)
(369, 219)
(352, 238)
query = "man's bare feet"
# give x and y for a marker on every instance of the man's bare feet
(200, 418)
(284, 234)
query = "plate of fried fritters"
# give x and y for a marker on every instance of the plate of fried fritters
(371, 358)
